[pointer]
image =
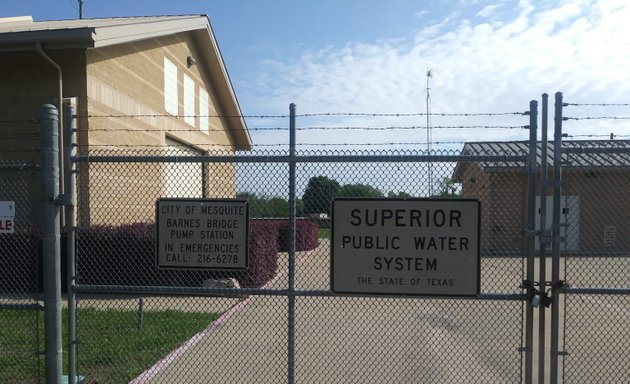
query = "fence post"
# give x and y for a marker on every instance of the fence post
(51, 238)
(555, 249)
(291, 298)
(531, 227)
(69, 183)
(542, 351)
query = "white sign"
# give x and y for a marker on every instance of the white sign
(7, 217)
(202, 233)
(405, 247)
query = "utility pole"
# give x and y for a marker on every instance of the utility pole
(80, 9)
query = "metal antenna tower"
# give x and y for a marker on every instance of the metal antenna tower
(429, 134)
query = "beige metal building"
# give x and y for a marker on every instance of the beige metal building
(141, 85)
(595, 203)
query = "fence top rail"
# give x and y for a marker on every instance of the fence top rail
(302, 159)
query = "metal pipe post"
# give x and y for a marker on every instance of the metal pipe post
(60, 143)
(555, 248)
(531, 226)
(51, 238)
(69, 183)
(542, 351)
(291, 297)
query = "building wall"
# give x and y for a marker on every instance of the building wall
(503, 200)
(27, 81)
(508, 212)
(602, 202)
(125, 79)
(129, 80)
(604, 208)
(476, 185)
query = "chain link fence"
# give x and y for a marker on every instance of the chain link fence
(21, 331)
(141, 323)
(596, 263)
(278, 320)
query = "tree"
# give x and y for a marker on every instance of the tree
(400, 194)
(277, 207)
(447, 188)
(319, 193)
(359, 190)
(263, 206)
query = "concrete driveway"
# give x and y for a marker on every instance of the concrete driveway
(353, 339)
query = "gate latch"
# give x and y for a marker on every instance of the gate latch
(533, 294)
(537, 296)
(548, 298)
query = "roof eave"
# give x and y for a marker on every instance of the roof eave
(51, 39)
(120, 34)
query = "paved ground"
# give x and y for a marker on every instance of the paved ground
(377, 340)
(354, 340)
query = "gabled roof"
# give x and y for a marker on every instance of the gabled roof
(575, 154)
(580, 153)
(92, 33)
(22, 33)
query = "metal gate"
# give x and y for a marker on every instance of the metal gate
(589, 282)
(143, 324)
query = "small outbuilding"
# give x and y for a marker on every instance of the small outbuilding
(595, 202)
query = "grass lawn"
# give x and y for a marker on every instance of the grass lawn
(112, 349)
(324, 233)
(18, 346)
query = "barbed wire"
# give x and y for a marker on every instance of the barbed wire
(596, 104)
(598, 118)
(409, 114)
(312, 128)
(424, 143)
(414, 127)
(595, 136)
(324, 114)
(153, 115)
(320, 114)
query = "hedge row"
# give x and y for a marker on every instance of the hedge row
(18, 263)
(306, 235)
(125, 255)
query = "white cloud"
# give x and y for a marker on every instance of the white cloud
(488, 11)
(579, 48)
(420, 14)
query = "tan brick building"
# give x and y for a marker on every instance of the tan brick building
(142, 85)
(595, 202)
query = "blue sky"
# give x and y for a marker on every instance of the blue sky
(372, 56)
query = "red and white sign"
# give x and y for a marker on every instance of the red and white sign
(7, 216)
